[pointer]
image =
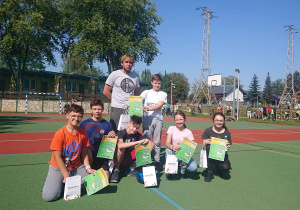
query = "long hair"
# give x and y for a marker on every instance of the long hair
(181, 113)
(222, 115)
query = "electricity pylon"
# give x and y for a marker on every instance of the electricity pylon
(203, 87)
(289, 77)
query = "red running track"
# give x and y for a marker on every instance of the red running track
(16, 143)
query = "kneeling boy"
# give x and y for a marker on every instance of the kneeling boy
(68, 142)
(96, 127)
(125, 151)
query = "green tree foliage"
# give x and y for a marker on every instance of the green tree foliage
(296, 81)
(146, 77)
(182, 86)
(253, 89)
(230, 81)
(277, 86)
(28, 34)
(81, 67)
(267, 92)
(105, 30)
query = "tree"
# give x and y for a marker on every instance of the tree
(230, 81)
(105, 30)
(277, 86)
(253, 89)
(28, 34)
(81, 67)
(148, 77)
(182, 87)
(296, 81)
(267, 92)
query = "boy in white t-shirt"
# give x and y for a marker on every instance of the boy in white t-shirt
(153, 100)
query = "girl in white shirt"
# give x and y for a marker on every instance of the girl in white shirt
(175, 136)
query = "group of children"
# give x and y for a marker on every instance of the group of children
(81, 143)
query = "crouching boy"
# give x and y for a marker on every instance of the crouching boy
(125, 151)
(68, 142)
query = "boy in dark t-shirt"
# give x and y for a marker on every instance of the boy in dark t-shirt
(96, 127)
(125, 151)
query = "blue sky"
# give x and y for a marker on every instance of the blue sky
(248, 35)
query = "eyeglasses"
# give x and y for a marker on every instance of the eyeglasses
(219, 120)
(75, 117)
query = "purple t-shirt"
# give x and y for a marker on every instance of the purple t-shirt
(178, 136)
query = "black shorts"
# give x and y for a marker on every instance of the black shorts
(100, 163)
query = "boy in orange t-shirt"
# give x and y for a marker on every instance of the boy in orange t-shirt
(68, 142)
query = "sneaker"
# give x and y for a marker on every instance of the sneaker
(159, 166)
(115, 176)
(169, 176)
(132, 172)
(111, 167)
(209, 176)
(182, 170)
(220, 172)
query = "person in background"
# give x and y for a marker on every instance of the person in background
(249, 110)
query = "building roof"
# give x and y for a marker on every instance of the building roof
(228, 90)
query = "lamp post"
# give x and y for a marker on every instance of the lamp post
(238, 99)
(172, 86)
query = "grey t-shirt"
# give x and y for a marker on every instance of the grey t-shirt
(123, 86)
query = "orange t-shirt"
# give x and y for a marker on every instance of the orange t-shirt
(70, 145)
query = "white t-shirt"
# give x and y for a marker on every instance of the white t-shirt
(178, 136)
(151, 98)
(123, 86)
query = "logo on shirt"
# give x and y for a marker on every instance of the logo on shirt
(72, 150)
(127, 85)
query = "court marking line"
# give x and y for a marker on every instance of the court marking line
(271, 142)
(166, 198)
(54, 120)
(243, 144)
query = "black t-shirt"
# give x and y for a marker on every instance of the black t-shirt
(208, 133)
(129, 137)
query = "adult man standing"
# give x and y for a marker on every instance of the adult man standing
(249, 110)
(123, 84)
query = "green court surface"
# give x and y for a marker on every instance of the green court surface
(263, 176)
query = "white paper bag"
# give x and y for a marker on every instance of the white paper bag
(149, 176)
(123, 122)
(171, 166)
(203, 159)
(72, 188)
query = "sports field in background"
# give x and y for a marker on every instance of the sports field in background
(265, 171)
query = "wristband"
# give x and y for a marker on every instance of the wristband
(87, 167)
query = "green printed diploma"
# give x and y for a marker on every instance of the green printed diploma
(217, 149)
(135, 105)
(143, 154)
(95, 183)
(187, 150)
(107, 147)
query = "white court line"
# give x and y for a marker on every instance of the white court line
(25, 140)
(264, 133)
